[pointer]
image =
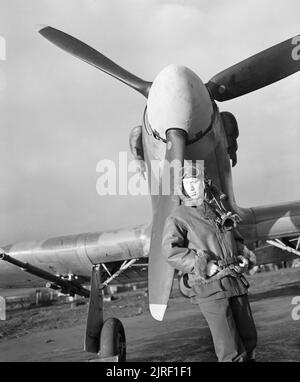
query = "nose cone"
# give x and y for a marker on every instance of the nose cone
(179, 99)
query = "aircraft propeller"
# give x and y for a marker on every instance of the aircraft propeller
(256, 72)
(88, 54)
(159, 292)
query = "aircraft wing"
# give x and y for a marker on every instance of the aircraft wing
(272, 221)
(273, 232)
(73, 257)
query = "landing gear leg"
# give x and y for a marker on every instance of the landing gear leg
(106, 338)
(95, 313)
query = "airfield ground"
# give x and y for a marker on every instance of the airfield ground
(56, 333)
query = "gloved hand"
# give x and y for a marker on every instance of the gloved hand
(252, 258)
(242, 266)
(243, 261)
(212, 268)
(247, 254)
(233, 270)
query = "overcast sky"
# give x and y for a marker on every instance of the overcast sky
(60, 116)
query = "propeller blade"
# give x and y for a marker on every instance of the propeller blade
(160, 273)
(88, 54)
(255, 72)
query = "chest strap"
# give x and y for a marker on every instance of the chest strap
(225, 262)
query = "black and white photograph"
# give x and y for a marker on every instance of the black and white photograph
(150, 183)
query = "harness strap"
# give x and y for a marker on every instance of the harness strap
(224, 263)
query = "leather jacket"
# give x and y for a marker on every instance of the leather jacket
(191, 239)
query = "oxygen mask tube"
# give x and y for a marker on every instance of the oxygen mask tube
(225, 219)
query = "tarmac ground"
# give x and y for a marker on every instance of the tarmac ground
(56, 333)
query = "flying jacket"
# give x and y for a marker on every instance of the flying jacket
(191, 239)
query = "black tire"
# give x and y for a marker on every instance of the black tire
(113, 340)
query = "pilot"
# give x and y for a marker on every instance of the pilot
(215, 260)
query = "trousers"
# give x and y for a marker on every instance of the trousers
(232, 328)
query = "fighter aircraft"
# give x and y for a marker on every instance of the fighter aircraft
(181, 121)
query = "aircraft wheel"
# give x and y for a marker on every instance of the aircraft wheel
(113, 340)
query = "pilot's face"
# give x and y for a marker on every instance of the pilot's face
(194, 187)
